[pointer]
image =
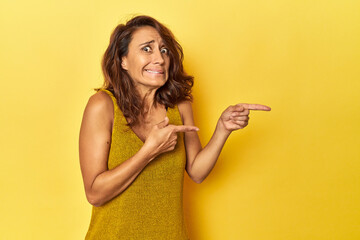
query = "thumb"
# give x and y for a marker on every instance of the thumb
(164, 123)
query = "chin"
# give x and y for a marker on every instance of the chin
(159, 83)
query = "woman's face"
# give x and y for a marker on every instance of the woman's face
(147, 61)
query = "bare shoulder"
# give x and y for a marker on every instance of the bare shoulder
(100, 101)
(186, 112)
(100, 104)
(99, 110)
(185, 105)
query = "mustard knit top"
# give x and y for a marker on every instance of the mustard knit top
(152, 205)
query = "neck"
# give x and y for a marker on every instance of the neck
(149, 95)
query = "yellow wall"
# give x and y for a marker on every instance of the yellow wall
(293, 173)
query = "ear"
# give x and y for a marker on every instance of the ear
(124, 63)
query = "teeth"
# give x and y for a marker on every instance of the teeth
(152, 71)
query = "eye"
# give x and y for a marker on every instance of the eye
(146, 49)
(164, 50)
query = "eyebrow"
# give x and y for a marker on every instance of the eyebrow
(152, 41)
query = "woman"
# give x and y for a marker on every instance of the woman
(138, 135)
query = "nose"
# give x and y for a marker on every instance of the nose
(158, 58)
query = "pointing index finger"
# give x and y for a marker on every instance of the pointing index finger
(185, 128)
(255, 107)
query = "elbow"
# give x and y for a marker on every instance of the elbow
(94, 200)
(96, 204)
(198, 181)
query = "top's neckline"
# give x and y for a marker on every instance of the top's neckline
(125, 122)
(132, 131)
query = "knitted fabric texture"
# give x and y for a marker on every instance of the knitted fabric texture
(152, 205)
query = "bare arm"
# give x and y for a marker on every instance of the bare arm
(200, 161)
(102, 185)
(205, 158)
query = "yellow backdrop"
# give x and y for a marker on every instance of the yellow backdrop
(293, 173)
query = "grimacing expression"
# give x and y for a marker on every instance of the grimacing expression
(147, 61)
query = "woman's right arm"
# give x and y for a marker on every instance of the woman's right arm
(102, 185)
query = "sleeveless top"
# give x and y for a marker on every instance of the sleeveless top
(151, 207)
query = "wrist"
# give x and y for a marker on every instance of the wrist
(221, 130)
(148, 152)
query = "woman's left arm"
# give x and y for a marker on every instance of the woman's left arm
(200, 161)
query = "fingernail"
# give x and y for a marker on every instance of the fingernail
(197, 129)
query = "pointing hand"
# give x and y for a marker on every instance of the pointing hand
(163, 136)
(237, 116)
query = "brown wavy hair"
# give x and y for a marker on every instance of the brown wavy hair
(116, 79)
